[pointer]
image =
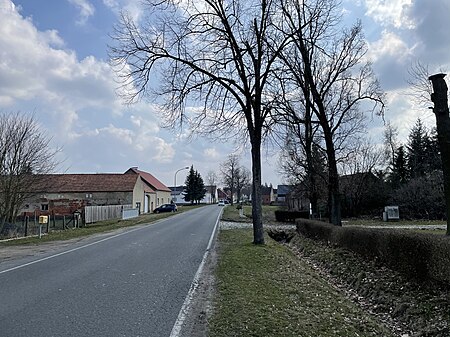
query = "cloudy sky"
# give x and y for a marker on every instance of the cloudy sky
(54, 64)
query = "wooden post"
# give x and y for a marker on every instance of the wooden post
(441, 111)
(26, 226)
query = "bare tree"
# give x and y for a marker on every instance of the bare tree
(243, 178)
(25, 155)
(211, 179)
(391, 144)
(419, 85)
(331, 76)
(303, 159)
(221, 54)
(230, 169)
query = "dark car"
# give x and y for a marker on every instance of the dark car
(166, 208)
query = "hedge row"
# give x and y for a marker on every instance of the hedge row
(419, 255)
(290, 216)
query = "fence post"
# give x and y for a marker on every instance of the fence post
(26, 226)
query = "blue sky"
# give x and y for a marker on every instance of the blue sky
(54, 64)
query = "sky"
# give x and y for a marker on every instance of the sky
(54, 65)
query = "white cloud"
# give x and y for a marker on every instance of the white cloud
(390, 12)
(164, 151)
(211, 153)
(74, 99)
(86, 10)
(391, 57)
(133, 7)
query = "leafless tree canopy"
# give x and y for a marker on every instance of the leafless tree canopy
(221, 54)
(334, 85)
(25, 155)
(236, 59)
(210, 52)
(234, 175)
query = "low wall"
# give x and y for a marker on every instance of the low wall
(419, 255)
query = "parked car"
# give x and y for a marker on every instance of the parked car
(221, 203)
(166, 208)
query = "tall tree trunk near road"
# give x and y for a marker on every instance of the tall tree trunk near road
(334, 196)
(258, 231)
(219, 57)
(441, 110)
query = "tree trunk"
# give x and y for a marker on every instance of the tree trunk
(441, 110)
(334, 196)
(258, 231)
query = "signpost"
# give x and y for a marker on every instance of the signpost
(43, 219)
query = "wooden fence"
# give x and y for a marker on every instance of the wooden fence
(100, 213)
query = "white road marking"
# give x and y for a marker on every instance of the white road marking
(75, 249)
(176, 330)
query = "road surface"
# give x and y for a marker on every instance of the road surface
(131, 283)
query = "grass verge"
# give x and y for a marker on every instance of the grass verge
(90, 229)
(231, 213)
(410, 307)
(267, 291)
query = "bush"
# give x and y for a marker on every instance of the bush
(422, 198)
(418, 255)
(290, 216)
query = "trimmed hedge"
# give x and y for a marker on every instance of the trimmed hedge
(419, 255)
(290, 216)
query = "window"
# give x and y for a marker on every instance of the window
(44, 207)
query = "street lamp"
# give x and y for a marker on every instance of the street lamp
(175, 179)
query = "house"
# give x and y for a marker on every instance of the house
(209, 198)
(64, 194)
(268, 196)
(297, 198)
(177, 195)
(282, 192)
(161, 191)
(222, 195)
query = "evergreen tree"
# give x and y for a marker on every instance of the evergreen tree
(199, 188)
(433, 155)
(423, 151)
(417, 152)
(399, 174)
(195, 187)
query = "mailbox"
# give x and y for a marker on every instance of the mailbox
(43, 219)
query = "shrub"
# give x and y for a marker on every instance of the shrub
(290, 216)
(418, 255)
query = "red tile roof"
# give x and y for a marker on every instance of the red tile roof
(150, 179)
(111, 182)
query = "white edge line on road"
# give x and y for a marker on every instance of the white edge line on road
(176, 330)
(77, 248)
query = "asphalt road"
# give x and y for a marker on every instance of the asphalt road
(128, 284)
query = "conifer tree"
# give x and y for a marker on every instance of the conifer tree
(399, 173)
(195, 187)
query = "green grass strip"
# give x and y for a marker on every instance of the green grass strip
(267, 291)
